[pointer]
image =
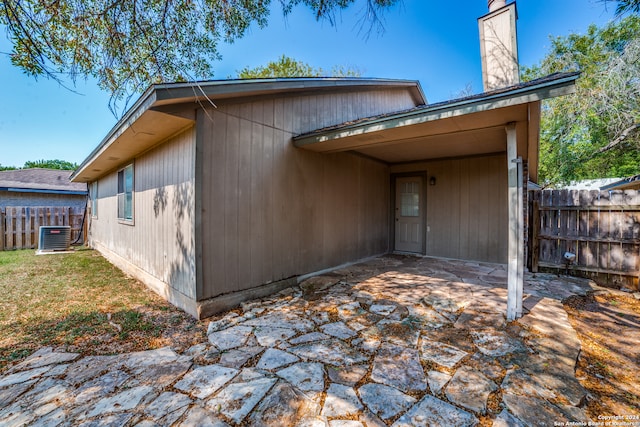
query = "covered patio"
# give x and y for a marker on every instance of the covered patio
(458, 172)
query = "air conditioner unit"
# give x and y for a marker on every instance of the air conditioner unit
(54, 238)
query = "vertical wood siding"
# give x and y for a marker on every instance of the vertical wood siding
(272, 211)
(161, 239)
(467, 208)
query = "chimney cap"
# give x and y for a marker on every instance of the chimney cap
(496, 4)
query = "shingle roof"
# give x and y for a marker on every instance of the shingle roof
(40, 179)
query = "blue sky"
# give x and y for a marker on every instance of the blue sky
(435, 42)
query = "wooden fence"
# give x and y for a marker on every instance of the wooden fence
(602, 228)
(19, 225)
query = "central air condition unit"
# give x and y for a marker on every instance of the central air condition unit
(54, 238)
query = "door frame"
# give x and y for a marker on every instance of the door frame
(392, 211)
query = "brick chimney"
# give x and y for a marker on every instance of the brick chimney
(498, 45)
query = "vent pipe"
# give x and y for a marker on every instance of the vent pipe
(499, 46)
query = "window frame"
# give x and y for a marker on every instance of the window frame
(94, 199)
(125, 198)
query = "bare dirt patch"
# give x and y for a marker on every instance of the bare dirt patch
(608, 325)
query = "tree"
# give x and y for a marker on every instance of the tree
(128, 45)
(596, 132)
(51, 164)
(625, 6)
(289, 67)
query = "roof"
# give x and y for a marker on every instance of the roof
(467, 103)
(469, 126)
(39, 180)
(154, 121)
(586, 184)
(632, 182)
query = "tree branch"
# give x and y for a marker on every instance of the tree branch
(620, 139)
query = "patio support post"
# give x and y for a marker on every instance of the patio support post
(515, 268)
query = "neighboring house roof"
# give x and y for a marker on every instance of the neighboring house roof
(587, 184)
(156, 119)
(631, 183)
(37, 180)
(533, 186)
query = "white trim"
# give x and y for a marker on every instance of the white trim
(123, 219)
(515, 267)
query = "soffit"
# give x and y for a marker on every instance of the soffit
(149, 129)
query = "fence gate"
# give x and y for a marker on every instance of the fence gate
(19, 225)
(602, 229)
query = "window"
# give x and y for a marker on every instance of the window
(125, 193)
(94, 198)
(410, 199)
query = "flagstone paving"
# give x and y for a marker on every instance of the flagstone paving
(398, 341)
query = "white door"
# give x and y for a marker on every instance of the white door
(409, 211)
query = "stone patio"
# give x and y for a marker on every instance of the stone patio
(397, 340)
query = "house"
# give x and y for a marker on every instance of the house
(41, 187)
(220, 191)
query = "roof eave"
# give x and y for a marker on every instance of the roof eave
(44, 191)
(622, 184)
(224, 89)
(544, 90)
(145, 102)
(176, 93)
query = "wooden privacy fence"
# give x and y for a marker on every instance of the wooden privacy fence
(19, 225)
(602, 229)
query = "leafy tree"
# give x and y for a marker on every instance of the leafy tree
(596, 132)
(127, 45)
(625, 6)
(51, 164)
(7, 168)
(289, 67)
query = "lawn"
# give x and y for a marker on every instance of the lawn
(81, 303)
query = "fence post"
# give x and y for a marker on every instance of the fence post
(85, 226)
(2, 229)
(535, 242)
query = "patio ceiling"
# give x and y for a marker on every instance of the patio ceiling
(470, 126)
(480, 133)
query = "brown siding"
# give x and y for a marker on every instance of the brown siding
(272, 211)
(161, 239)
(467, 208)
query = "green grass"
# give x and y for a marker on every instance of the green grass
(79, 302)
